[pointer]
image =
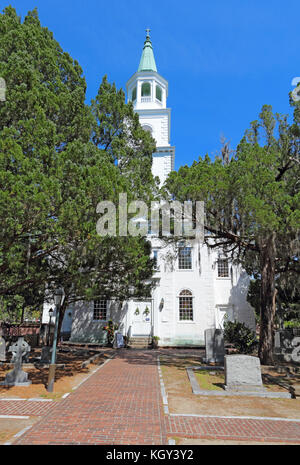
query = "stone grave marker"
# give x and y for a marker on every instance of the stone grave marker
(243, 373)
(46, 354)
(2, 349)
(17, 377)
(25, 348)
(214, 346)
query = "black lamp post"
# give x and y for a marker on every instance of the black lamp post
(58, 300)
(49, 325)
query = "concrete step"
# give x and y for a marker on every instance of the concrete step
(140, 347)
(140, 342)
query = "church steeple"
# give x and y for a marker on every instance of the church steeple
(147, 62)
(148, 92)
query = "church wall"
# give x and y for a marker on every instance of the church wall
(160, 126)
(233, 293)
(173, 331)
(86, 329)
(161, 166)
(209, 293)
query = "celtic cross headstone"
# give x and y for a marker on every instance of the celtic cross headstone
(25, 348)
(17, 377)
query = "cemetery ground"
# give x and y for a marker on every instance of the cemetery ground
(73, 367)
(124, 402)
(182, 400)
(183, 403)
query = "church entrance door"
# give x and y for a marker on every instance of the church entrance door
(141, 318)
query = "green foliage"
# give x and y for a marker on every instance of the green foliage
(58, 160)
(287, 298)
(117, 131)
(155, 340)
(291, 324)
(252, 196)
(252, 206)
(146, 311)
(110, 329)
(238, 334)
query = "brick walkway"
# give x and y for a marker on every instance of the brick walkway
(234, 429)
(26, 407)
(121, 404)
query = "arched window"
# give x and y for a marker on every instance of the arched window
(146, 89)
(133, 95)
(158, 93)
(148, 128)
(186, 305)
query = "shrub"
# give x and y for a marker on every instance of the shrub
(291, 324)
(238, 334)
(110, 328)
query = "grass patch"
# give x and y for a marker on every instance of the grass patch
(210, 382)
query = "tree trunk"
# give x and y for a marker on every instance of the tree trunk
(268, 300)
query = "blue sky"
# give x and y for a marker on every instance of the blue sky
(223, 60)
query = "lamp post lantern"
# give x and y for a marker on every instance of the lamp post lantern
(51, 311)
(58, 300)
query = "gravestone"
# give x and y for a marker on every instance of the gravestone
(25, 348)
(2, 348)
(17, 377)
(214, 346)
(46, 354)
(219, 346)
(243, 373)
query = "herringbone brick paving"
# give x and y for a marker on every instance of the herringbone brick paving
(121, 404)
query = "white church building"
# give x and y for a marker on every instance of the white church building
(195, 287)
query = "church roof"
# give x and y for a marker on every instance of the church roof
(147, 62)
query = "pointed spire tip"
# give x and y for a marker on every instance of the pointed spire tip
(147, 62)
